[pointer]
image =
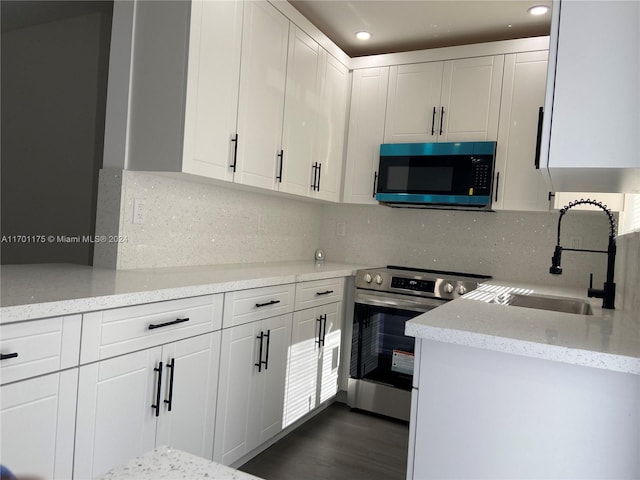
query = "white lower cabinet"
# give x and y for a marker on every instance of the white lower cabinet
(159, 396)
(37, 417)
(314, 360)
(252, 380)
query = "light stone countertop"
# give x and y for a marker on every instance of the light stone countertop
(608, 339)
(47, 290)
(165, 463)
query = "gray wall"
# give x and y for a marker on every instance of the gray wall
(53, 97)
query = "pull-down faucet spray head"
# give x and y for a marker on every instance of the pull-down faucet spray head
(555, 268)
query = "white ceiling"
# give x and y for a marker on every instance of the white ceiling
(405, 25)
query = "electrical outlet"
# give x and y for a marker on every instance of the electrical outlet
(139, 211)
(575, 241)
(261, 222)
(340, 229)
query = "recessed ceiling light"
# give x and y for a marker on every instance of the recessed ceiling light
(538, 10)
(363, 35)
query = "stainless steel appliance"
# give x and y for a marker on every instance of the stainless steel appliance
(437, 175)
(382, 356)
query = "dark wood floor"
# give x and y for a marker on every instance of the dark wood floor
(337, 444)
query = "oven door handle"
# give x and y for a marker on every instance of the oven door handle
(401, 303)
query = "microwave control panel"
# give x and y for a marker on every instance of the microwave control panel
(481, 176)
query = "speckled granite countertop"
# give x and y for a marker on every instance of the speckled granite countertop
(47, 290)
(608, 339)
(164, 463)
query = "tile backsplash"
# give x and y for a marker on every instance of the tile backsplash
(193, 223)
(506, 245)
(188, 222)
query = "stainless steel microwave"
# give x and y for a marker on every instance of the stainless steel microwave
(439, 175)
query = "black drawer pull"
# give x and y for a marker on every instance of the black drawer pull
(160, 325)
(7, 356)
(324, 293)
(272, 302)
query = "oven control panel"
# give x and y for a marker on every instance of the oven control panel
(423, 283)
(417, 285)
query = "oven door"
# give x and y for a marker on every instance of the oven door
(380, 351)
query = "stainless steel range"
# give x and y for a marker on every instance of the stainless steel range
(381, 369)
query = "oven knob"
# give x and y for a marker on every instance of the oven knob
(367, 277)
(448, 288)
(378, 279)
(461, 290)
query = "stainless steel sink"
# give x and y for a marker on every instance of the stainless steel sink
(554, 304)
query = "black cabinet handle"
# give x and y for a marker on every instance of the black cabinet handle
(497, 184)
(235, 152)
(433, 121)
(272, 302)
(172, 366)
(158, 389)
(441, 119)
(375, 183)
(319, 340)
(259, 364)
(539, 137)
(266, 357)
(281, 157)
(324, 327)
(324, 293)
(315, 175)
(175, 322)
(319, 176)
(7, 356)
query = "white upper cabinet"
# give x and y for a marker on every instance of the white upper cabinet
(301, 106)
(455, 100)
(212, 89)
(518, 183)
(591, 137)
(263, 70)
(332, 125)
(366, 133)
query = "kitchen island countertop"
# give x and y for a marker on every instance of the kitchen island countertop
(48, 290)
(165, 463)
(608, 339)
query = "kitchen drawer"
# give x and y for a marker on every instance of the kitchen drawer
(244, 306)
(123, 330)
(319, 292)
(42, 346)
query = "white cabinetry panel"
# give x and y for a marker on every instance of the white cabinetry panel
(366, 133)
(212, 88)
(265, 37)
(38, 420)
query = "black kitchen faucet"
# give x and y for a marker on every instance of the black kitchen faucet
(608, 292)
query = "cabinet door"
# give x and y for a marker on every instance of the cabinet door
(302, 365)
(471, 99)
(212, 88)
(332, 127)
(329, 365)
(518, 184)
(38, 419)
(366, 133)
(300, 113)
(237, 396)
(413, 104)
(189, 394)
(115, 418)
(263, 69)
(593, 103)
(272, 380)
